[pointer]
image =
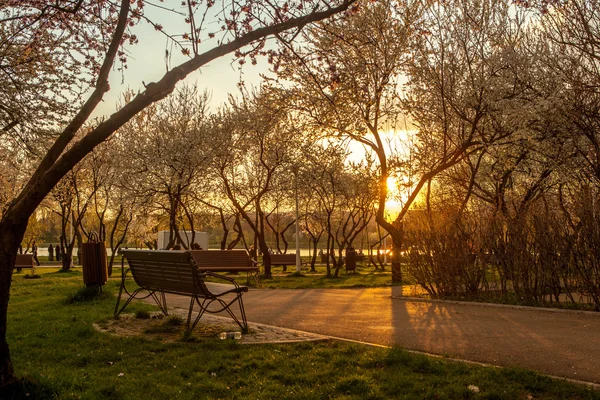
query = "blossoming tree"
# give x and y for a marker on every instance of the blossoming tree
(57, 58)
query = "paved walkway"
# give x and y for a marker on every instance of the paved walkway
(560, 343)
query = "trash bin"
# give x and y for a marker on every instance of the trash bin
(324, 257)
(350, 259)
(94, 262)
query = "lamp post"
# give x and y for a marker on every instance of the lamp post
(71, 240)
(298, 261)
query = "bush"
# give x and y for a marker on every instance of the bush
(142, 314)
(441, 253)
(174, 320)
(85, 294)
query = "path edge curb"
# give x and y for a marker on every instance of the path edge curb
(592, 385)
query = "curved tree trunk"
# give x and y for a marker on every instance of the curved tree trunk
(11, 236)
(264, 248)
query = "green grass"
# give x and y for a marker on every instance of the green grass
(54, 344)
(363, 277)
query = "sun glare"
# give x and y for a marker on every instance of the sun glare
(392, 184)
(393, 205)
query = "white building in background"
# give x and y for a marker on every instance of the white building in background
(199, 237)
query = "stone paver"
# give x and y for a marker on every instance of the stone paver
(210, 324)
(259, 333)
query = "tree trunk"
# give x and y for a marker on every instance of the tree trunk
(65, 256)
(79, 246)
(313, 260)
(237, 228)
(266, 258)
(11, 236)
(396, 256)
(225, 230)
(67, 259)
(114, 247)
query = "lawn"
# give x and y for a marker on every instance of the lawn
(364, 276)
(54, 344)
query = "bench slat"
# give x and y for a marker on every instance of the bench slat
(283, 259)
(176, 272)
(223, 260)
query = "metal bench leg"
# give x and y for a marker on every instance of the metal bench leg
(257, 279)
(253, 275)
(189, 318)
(131, 297)
(161, 302)
(243, 312)
(117, 312)
(227, 308)
(203, 306)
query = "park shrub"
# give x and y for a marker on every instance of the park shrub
(536, 255)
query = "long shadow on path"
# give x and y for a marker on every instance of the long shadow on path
(564, 344)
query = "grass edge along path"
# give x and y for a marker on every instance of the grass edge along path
(54, 345)
(366, 276)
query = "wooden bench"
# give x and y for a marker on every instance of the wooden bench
(24, 261)
(175, 272)
(283, 259)
(226, 261)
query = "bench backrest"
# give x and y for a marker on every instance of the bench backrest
(283, 258)
(24, 260)
(171, 271)
(214, 260)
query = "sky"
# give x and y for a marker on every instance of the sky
(146, 63)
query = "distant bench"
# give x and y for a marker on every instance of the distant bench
(284, 259)
(175, 272)
(226, 261)
(24, 261)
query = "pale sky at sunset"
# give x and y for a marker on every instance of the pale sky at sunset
(147, 63)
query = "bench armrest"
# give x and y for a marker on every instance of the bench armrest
(215, 275)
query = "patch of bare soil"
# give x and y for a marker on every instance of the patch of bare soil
(157, 326)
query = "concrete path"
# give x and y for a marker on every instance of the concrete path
(560, 343)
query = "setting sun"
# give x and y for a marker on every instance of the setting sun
(394, 201)
(392, 184)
